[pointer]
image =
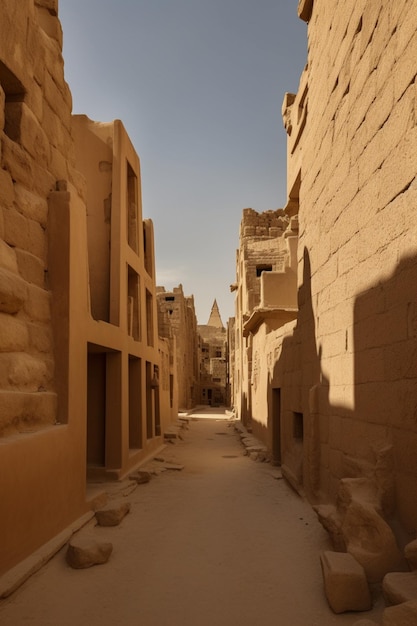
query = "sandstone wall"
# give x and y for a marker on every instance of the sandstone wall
(42, 454)
(357, 247)
(176, 315)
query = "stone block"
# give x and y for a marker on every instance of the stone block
(31, 205)
(410, 553)
(43, 180)
(32, 137)
(112, 514)
(26, 412)
(8, 258)
(14, 335)
(371, 541)
(37, 304)
(345, 582)
(16, 161)
(13, 292)
(404, 614)
(83, 552)
(23, 372)
(400, 587)
(31, 268)
(40, 337)
(7, 191)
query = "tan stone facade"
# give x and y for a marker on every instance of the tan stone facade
(177, 318)
(213, 360)
(84, 379)
(266, 293)
(340, 381)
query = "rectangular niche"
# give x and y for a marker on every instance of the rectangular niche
(132, 208)
(135, 402)
(133, 304)
(149, 318)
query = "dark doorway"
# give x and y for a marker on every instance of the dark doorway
(96, 409)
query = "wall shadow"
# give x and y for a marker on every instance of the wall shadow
(320, 442)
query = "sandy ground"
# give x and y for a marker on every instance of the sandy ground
(224, 542)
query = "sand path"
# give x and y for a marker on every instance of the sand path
(224, 542)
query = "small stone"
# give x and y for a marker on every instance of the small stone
(345, 583)
(85, 552)
(141, 477)
(112, 514)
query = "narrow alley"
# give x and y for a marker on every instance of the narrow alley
(222, 541)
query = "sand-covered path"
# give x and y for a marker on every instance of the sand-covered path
(224, 542)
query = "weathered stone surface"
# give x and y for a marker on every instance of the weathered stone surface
(24, 372)
(400, 587)
(37, 304)
(31, 268)
(14, 336)
(112, 514)
(356, 526)
(410, 553)
(8, 257)
(85, 552)
(330, 520)
(371, 541)
(31, 205)
(404, 614)
(345, 582)
(13, 292)
(26, 412)
(141, 477)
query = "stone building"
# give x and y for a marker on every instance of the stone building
(340, 380)
(176, 315)
(266, 295)
(82, 371)
(213, 360)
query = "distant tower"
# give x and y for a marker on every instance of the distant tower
(215, 319)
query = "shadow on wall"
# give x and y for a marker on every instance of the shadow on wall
(384, 422)
(363, 458)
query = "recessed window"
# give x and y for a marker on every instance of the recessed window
(169, 298)
(14, 95)
(263, 268)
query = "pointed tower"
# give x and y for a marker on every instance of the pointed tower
(215, 319)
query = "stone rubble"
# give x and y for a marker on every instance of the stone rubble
(345, 583)
(112, 514)
(85, 551)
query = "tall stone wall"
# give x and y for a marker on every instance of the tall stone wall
(357, 248)
(42, 459)
(36, 151)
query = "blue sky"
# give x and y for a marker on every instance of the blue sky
(198, 85)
